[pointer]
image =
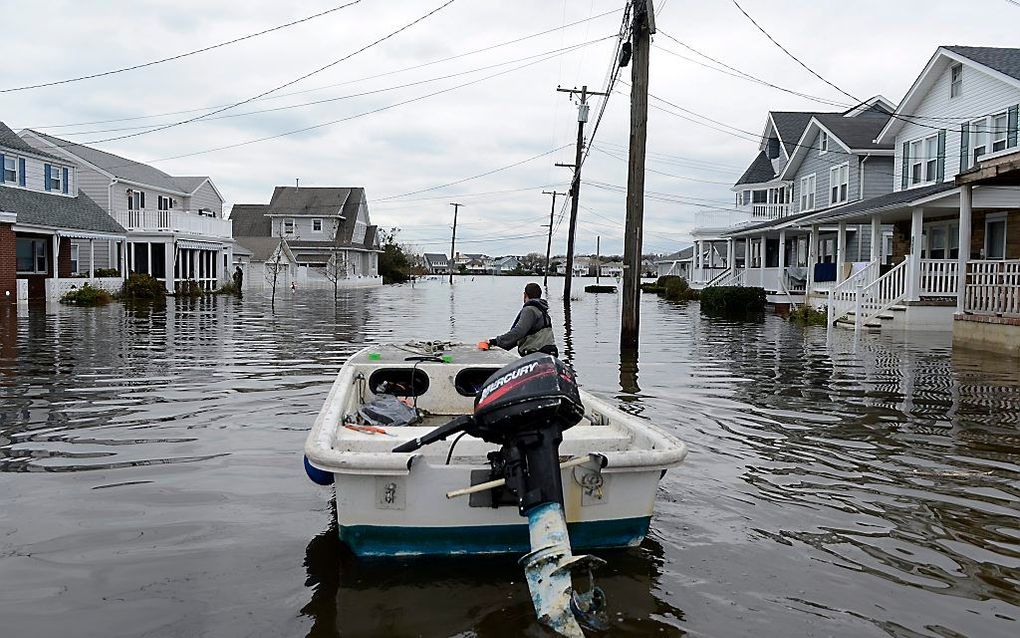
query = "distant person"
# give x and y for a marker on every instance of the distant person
(238, 278)
(293, 286)
(532, 329)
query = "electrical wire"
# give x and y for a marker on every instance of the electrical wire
(180, 55)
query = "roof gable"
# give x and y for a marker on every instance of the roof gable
(9, 139)
(759, 172)
(250, 220)
(855, 134)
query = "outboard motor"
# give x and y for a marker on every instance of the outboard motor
(524, 408)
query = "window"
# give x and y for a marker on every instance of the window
(979, 135)
(135, 200)
(75, 252)
(747, 197)
(32, 255)
(316, 225)
(10, 169)
(924, 160)
(807, 193)
(995, 236)
(839, 184)
(165, 203)
(823, 143)
(55, 179)
(956, 81)
(999, 130)
(288, 226)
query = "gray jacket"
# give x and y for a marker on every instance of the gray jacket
(532, 330)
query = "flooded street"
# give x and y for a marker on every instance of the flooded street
(151, 479)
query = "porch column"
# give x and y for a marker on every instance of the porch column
(129, 255)
(148, 256)
(697, 261)
(731, 254)
(761, 260)
(92, 258)
(914, 267)
(55, 266)
(876, 237)
(123, 254)
(840, 251)
(168, 265)
(747, 256)
(782, 258)
(812, 258)
(966, 211)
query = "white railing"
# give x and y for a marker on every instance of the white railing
(767, 278)
(843, 296)
(770, 211)
(882, 294)
(939, 277)
(178, 221)
(993, 287)
(734, 278)
(706, 274)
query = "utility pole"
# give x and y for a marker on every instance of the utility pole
(548, 243)
(575, 186)
(598, 259)
(642, 28)
(453, 240)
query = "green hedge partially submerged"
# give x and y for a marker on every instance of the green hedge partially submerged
(808, 316)
(733, 300)
(139, 286)
(87, 295)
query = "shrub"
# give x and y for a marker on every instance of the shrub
(807, 315)
(733, 300)
(107, 272)
(677, 289)
(188, 288)
(229, 288)
(141, 286)
(86, 296)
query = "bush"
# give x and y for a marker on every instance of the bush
(807, 315)
(141, 286)
(677, 289)
(86, 296)
(733, 300)
(107, 272)
(188, 288)
(229, 288)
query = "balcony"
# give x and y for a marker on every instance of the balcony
(769, 211)
(173, 221)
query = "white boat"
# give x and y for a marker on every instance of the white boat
(396, 504)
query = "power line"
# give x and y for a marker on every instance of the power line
(180, 55)
(652, 170)
(285, 84)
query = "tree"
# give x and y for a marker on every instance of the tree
(336, 268)
(394, 263)
(274, 267)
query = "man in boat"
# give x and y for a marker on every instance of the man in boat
(532, 329)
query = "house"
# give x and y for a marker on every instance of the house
(310, 235)
(941, 245)
(175, 224)
(436, 263)
(52, 235)
(611, 269)
(505, 265)
(473, 263)
(678, 263)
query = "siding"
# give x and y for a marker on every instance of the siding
(120, 197)
(205, 197)
(820, 165)
(982, 95)
(878, 176)
(95, 185)
(34, 173)
(106, 254)
(303, 228)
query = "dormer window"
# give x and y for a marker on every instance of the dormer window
(55, 176)
(288, 226)
(10, 169)
(823, 143)
(316, 225)
(956, 81)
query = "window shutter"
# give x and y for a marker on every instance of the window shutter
(905, 171)
(3, 175)
(940, 169)
(1012, 126)
(46, 176)
(964, 146)
(21, 171)
(63, 184)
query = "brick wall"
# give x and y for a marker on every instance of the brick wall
(8, 266)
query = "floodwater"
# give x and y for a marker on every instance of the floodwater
(151, 480)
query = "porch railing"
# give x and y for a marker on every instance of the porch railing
(939, 277)
(843, 296)
(882, 294)
(769, 211)
(993, 287)
(733, 278)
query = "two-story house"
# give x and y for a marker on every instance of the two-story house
(175, 224)
(313, 232)
(48, 226)
(436, 263)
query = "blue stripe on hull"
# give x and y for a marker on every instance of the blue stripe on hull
(377, 540)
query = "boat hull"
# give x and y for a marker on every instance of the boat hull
(381, 541)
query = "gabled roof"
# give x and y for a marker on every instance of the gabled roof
(436, 258)
(9, 139)
(790, 126)
(262, 248)
(759, 172)
(115, 165)
(1001, 63)
(57, 211)
(249, 220)
(686, 253)
(854, 134)
(326, 201)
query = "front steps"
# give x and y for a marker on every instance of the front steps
(893, 317)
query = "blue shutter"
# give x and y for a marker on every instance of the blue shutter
(940, 167)
(1012, 126)
(63, 184)
(3, 171)
(46, 176)
(964, 146)
(906, 166)
(21, 171)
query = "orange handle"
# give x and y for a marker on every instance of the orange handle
(483, 345)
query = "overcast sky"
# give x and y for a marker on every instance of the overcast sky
(866, 47)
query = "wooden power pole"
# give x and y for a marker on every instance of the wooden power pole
(453, 240)
(642, 28)
(548, 243)
(575, 185)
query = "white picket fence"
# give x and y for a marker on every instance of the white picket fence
(993, 287)
(58, 287)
